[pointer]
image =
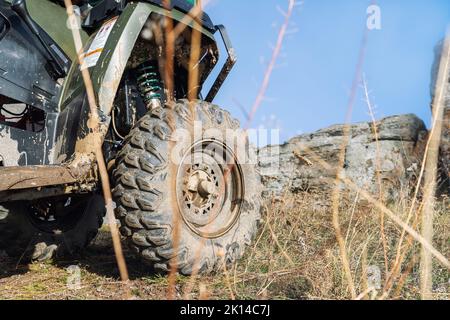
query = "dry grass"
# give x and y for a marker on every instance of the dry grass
(306, 233)
(295, 256)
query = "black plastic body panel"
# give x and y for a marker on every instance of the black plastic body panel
(24, 76)
(24, 73)
(107, 8)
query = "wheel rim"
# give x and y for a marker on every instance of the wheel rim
(209, 188)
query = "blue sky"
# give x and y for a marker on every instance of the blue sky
(310, 86)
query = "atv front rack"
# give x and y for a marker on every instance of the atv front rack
(226, 69)
(107, 8)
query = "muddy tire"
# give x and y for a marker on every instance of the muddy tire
(27, 235)
(217, 214)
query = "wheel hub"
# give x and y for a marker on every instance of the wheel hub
(208, 192)
(201, 191)
(201, 182)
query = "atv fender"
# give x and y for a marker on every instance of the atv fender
(108, 71)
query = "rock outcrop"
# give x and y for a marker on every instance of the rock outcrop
(391, 154)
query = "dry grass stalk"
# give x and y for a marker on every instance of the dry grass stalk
(227, 276)
(365, 285)
(169, 88)
(404, 276)
(169, 52)
(365, 293)
(97, 150)
(401, 255)
(276, 52)
(193, 91)
(431, 168)
(341, 159)
(303, 158)
(195, 13)
(378, 169)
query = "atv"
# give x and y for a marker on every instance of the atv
(190, 198)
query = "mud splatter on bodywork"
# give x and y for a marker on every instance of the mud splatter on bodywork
(9, 152)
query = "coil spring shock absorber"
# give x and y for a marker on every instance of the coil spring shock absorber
(150, 84)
